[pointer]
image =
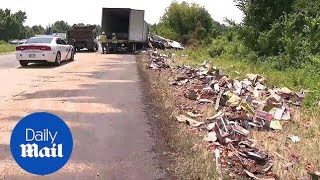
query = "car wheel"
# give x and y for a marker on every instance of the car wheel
(58, 59)
(23, 63)
(72, 56)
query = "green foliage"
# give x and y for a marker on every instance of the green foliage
(165, 31)
(188, 23)
(288, 30)
(11, 25)
(28, 32)
(311, 7)
(261, 14)
(59, 27)
(184, 18)
(224, 47)
(294, 37)
(38, 30)
(217, 47)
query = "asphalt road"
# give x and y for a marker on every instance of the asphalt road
(100, 98)
(8, 61)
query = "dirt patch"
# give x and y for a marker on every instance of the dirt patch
(178, 146)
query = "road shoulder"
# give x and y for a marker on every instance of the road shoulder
(182, 155)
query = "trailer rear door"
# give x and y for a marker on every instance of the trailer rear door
(136, 27)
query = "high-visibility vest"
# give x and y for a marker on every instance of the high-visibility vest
(103, 38)
(114, 39)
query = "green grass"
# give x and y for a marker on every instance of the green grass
(6, 48)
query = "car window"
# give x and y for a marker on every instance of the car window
(45, 40)
(58, 41)
(63, 42)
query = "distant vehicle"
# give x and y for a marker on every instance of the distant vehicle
(83, 37)
(22, 41)
(15, 41)
(44, 49)
(128, 25)
(61, 35)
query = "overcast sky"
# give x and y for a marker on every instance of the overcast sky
(89, 12)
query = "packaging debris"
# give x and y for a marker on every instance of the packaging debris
(189, 121)
(211, 137)
(315, 175)
(218, 115)
(240, 105)
(294, 139)
(191, 114)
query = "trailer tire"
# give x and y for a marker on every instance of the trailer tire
(131, 47)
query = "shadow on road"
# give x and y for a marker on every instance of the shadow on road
(86, 51)
(44, 65)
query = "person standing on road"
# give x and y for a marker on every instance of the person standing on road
(114, 42)
(103, 41)
(74, 46)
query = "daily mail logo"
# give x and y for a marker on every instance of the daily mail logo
(41, 143)
(32, 150)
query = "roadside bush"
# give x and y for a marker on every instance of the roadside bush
(293, 38)
(223, 46)
(2, 42)
(217, 47)
(167, 32)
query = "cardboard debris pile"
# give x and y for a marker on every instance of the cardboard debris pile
(157, 61)
(241, 105)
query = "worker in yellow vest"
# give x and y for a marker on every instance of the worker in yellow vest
(103, 41)
(114, 43)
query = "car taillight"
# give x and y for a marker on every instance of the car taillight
(45, 48)
(20, 48)
(42, 48)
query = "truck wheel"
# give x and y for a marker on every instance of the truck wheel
(131, 48)
(23, 63)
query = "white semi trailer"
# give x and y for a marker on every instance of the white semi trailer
(129, 26)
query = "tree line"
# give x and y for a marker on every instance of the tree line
(12, 26)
